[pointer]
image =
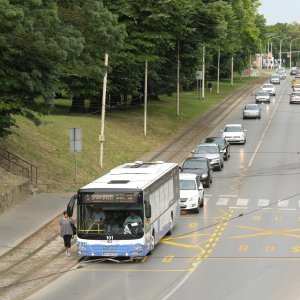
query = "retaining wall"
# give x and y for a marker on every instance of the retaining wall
(15, 195)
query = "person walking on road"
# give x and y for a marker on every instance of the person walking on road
(66, 231)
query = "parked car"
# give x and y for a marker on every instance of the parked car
(211, 151)
(251, 111)
(234, 133)
(191, 192)
(225, 147)
(270, 88)
(199, 166)
(295, 97)
(262, 96)
(275, 79)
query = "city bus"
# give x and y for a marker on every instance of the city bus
(139, 203)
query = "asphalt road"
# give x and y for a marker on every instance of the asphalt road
(244, 244)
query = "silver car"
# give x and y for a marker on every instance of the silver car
(275, 79)
(295, 97)
(262, 96)
(270, 88)
(212, 152)
(251, 111)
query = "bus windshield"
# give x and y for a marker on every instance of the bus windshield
(122, 221)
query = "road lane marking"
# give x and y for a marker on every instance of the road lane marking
(222, 201)
(265, 131)
(263, 202)
(168, 258)
(242, 202)
(202, 254)
(263, 232)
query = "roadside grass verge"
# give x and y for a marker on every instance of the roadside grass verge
(48, 147)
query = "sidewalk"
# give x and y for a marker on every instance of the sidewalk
(25, 219)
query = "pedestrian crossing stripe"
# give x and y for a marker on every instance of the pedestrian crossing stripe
(242, 203)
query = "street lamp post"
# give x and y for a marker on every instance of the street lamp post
(280, 53)
(291, 50)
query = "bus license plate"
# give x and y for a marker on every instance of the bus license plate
(109, 254)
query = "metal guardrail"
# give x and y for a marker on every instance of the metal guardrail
(17, 165)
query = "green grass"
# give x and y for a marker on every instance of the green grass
(48, 146)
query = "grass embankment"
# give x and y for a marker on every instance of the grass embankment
(48, 146)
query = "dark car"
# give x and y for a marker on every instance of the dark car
(199, 166)
(225, 147)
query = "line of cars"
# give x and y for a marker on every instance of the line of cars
(295, 84)
(253, 110)
(197, 170)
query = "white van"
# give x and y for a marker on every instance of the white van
(275, 79)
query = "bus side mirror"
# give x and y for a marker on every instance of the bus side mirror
(147, 210)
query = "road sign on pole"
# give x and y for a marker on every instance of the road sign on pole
(75, 139)
(198, 75)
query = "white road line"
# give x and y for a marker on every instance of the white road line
(284, 203)
(263, 135)
(229, 196)
(242, 202)
(263, 202)
(287, 209)
(238, 207)
(222, 201)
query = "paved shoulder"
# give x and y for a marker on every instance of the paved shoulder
(25, 219)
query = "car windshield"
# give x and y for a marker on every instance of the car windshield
(268, 86)
(202, 149)
(215, 140)
(251, 107)
(262, 93)
(194, 164)
(233, 129)
(187, 184)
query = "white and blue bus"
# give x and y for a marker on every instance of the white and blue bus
(147, 193)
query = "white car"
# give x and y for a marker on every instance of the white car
(234, 133)
(191, 192)
(269, 88)
(295, 97)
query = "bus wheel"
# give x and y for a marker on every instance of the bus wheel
(152, 242)
(171, 225)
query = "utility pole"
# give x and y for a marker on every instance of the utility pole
(218, 76)
(101, 136)
(145, 97)
(250, 66)
(178, 83)
(232, 70)
(203, 73)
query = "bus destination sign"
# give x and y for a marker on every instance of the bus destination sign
(109, 198)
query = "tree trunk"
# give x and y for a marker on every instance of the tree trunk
(77, 104)
(95, 104)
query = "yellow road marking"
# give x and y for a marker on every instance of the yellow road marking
(180, 244)
(263, 232)
(168, 258)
